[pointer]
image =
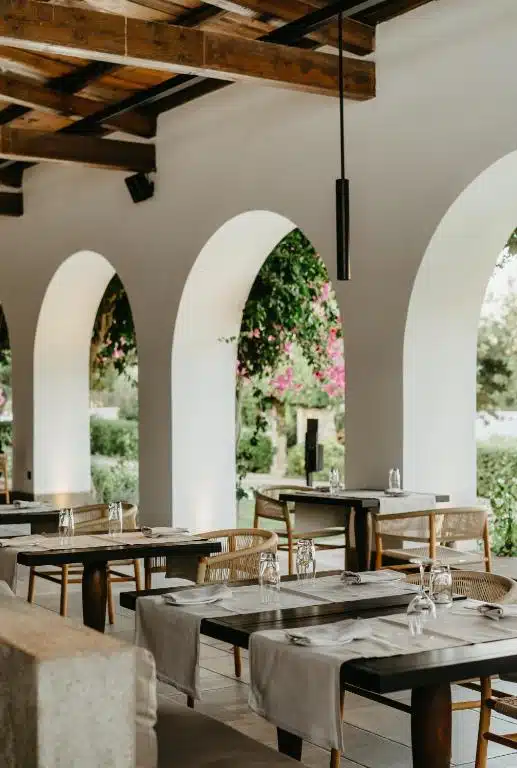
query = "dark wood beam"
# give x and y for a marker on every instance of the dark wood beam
(93, 35)
(35, 146)
(27, 92)
(389, 9)
(11, 204)
(358, 38)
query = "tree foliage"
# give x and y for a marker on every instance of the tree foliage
(113, 343)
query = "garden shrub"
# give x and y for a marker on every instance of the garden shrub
(118, 482)
(114, 438)
(497, 481)
(333, 456)
(255, 454)
(6, 434)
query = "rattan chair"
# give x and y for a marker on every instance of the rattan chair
(268, 506)
(90, 519)
(437, 528)
(502, 704)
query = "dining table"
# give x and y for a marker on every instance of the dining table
(427, 674)
(42, 518)
(98, 551)
(353, 510)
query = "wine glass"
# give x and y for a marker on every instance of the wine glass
(305, 559)
(440, 584)
(114, 518)
(421, 608)
(394, 480)
(65, 524)
(334, 480)
(269, 578)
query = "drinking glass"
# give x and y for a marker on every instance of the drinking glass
(440, 584)
(334, 480)
(421, 608)
(65, 524)
(394, 480)
(305, 559)
(269, 578)
(115, 518)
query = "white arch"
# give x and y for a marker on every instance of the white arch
(441, 333)
(61, 377)
(203, 367)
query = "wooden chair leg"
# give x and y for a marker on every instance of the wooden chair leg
(335, 758)
(484, 723)
(148, 573)
(32, 585)
(190, 702)
(138, 577)
(63, 603)
(237, 661)
(111, 607)
(486, 547)
(290, 553)
(378, 551)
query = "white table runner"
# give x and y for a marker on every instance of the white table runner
(172, 633)
(298, 688)
(136, 537)
(334, 590)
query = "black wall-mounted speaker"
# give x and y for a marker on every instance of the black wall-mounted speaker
(140, 187)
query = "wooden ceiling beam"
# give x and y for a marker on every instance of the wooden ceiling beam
(358, 38)
(92, 35)
(35, 146)
(27, 92)
(11, 204)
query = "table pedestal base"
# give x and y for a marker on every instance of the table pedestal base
(95, 592)
(289, 745)
(431, 726)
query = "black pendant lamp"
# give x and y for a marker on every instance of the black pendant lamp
(342, 184)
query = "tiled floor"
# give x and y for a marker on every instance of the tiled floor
(375, 736)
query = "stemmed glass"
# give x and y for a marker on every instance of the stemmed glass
(421, 608)
(305, 559)
(114, 518)
(65, 525)
(269, 578)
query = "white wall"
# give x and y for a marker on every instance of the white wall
(62, 375)
(443, 114)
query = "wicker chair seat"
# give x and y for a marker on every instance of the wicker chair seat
(506, 706)
(320, 534)
(444, 554)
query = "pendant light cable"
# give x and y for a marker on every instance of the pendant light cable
(341, 95)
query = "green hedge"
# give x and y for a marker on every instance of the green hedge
(333, 456)
(117, 437)
(255, 455)
(6, 433)
(497, 481)
(115, 483)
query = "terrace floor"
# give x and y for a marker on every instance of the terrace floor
(375, 736)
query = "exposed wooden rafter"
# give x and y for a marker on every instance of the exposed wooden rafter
(35, 146)
(11, 204)
(28, 93)
(358, 38)
(93, 35)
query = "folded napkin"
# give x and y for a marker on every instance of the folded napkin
(160, 532)
(495, 611)
(371, 577)
(199, 595)
(330, 635)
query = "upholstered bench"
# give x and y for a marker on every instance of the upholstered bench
(188, 739)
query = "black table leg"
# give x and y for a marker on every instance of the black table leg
(431, 725)
(289, 744)
(95, 591)
(363, 538)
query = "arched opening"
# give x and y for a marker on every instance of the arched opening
(204, 367)
(441, 334)
(62, 361)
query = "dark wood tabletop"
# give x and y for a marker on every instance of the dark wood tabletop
(360, 502)
(19, 515)
(153, 548)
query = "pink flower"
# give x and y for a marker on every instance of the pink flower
(325, 292)
(288, 347)
(270, 338)
(256, 333)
